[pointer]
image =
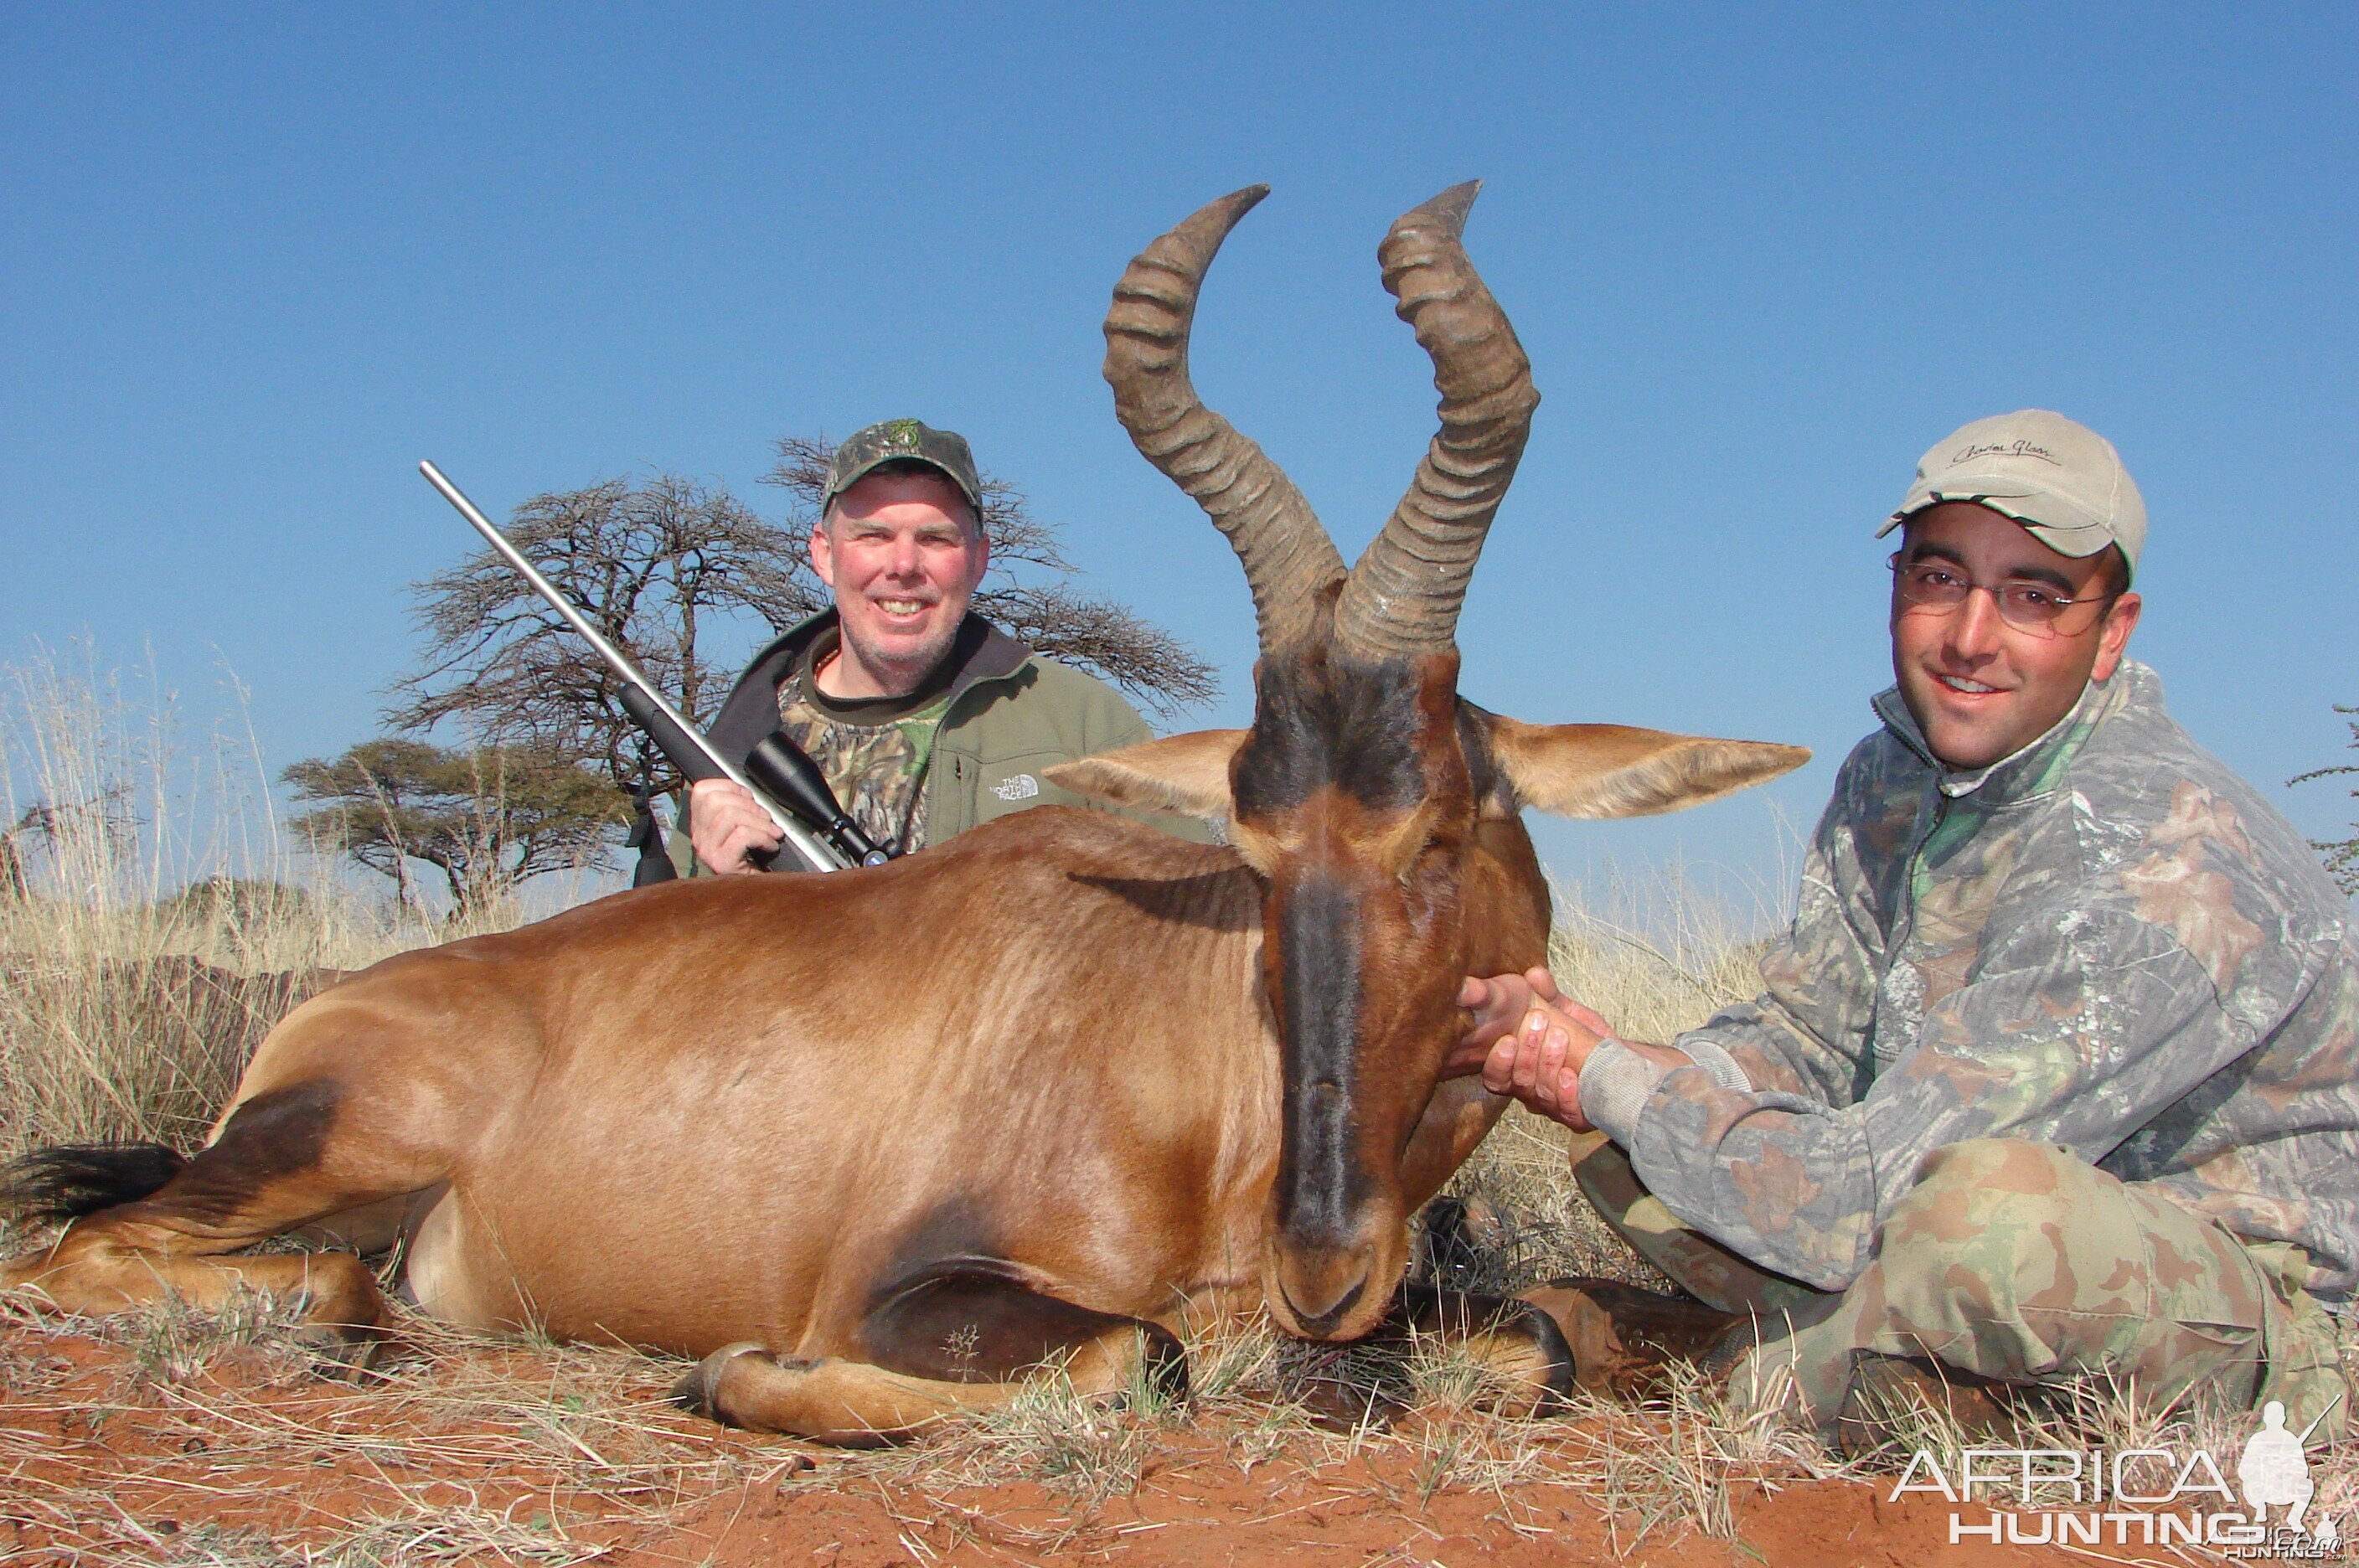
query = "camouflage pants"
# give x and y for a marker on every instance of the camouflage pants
(2020, 1262)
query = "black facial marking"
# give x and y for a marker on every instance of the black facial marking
(1318, 1183)
(1317, 725)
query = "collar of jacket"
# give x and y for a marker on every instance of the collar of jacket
(2038, 768)
(981, 651)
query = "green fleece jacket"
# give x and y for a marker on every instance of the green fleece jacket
(1011, 714)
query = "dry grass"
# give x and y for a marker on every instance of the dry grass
(154, 922)
(479, 1449)
(1677, 1464)
(470, 1450)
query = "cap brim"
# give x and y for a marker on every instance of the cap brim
(866, 469)
(2008, 499)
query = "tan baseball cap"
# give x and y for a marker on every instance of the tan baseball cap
(2059, 478)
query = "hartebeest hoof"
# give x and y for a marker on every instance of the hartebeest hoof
(698, 1392)
(1531, 1367)
(1525, 1366)
(1623, 1339)
(349, 1354)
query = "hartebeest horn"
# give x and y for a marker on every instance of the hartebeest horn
(1403, 595)
(1288, 555)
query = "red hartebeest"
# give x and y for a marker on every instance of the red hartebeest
(875, 1143)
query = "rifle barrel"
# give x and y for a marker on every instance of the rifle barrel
(814, 851)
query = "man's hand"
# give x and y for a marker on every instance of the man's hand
(1498, 1005)
(1529, 1039)
(726, 826)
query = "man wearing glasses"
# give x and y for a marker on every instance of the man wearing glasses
(2054, 1077)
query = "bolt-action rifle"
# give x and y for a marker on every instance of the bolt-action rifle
(784, 782)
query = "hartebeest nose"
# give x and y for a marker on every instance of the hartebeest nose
(1321, 1285)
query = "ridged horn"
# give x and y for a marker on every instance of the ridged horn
(1404, 596)
(1288, 555)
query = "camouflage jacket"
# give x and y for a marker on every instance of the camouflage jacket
(877, 757)
(2107, 942)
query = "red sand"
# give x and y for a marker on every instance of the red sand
(98, 1466)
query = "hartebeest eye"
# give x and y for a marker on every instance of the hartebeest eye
(1429, 886)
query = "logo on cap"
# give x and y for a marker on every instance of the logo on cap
(2012, 449)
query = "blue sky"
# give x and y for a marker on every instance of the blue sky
(255, 262)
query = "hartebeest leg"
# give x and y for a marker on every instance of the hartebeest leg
(946, 1343)
(1517, 1345)
(274, 1167)
(1625, 1339)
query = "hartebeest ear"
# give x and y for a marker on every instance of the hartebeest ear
(1614, 770)
(1187, 774)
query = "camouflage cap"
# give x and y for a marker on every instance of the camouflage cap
(2062, 481)
(903, 441)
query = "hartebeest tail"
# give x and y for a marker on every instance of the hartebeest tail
(50, 1185)
(876, 1143)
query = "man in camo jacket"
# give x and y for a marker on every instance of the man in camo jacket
(925, 719)
(2056, 1074)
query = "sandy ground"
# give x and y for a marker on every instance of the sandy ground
(154, 1445)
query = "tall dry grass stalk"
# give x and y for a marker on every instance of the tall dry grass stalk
(154, 919)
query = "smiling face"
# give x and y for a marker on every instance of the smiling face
(1981, 688)
(903, 556)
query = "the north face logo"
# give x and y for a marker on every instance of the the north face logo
(1023, 787)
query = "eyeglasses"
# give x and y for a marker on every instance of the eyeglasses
(1941, 585)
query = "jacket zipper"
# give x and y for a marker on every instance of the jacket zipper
(927, 792)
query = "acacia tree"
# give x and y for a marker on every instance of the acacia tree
(671, 572)
(100, 825)
(662, 569)
(487, 819)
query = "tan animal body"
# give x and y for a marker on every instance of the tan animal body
(875, 1143)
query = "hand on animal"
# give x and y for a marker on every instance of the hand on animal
(1529, 1041)
(726, 826)
(1498, 1005)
